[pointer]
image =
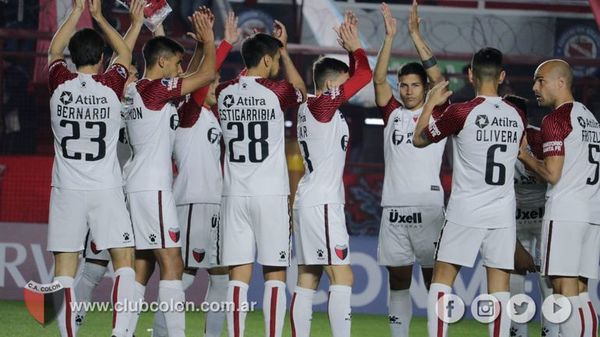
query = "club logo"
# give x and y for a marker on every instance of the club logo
(170, 83)
(344, 142)
(121, 71)
(152, 238)
(482, 121)
(228, 101)
(579, 41)
(282, 255)
(94, 249)
(66, 97)
(320, 254)
(581, 121)
(126, 236)
(174, 234)
(43, 300)
(341, 251)
(198, 254)
(174, 121)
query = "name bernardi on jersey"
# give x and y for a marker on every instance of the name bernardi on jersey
(82, 107)
(245, 109)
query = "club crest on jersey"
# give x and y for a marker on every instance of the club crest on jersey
(174, 122)
(213, 135)
(169, 83)
(228, 101)
(344, 142)
(174, 234)
(335, 92)
(66, 97)
(341, 251)
(94, 249)
(482, 121)
(198, 254)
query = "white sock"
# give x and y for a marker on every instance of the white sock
(517, 286)
(159, 327)
(301, 311)
(91, 274)
(549, 329)
(122, 293)
(572, 326)
(400, 309)
(436, 291)
(501, 326)
(171, 292)
(339, 310)
(237, 293)
(66, 316)
(138, 297)
(274, 307)
(590, 316)
(216, 293)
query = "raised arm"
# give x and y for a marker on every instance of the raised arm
(291, 73)
(427, 59)
(65, 31)
(438, 96)
(136, 17)
(198, 50)
(383, 91)
(114, 38)
(203, 29)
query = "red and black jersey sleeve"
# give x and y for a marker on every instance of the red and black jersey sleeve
(114, 78)
(324, 106)
(555, 129)
(451, 121)
(289, 97)
(222, 51)
(534, 139)
(58, 73)
(157, 93)
(387, 109)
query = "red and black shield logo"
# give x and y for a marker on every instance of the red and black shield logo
(198, 254)
(341, 251)
(174, 234)
(43, 300)
(94, 248)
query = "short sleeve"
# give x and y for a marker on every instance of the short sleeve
(555, 129)
(387, 109)
(157, 93)
(289, 97)
(323, 107)
(451, 121)
(58, 73)
(114, 78)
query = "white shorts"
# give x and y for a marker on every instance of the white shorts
(255, 226)
(460, 244)
(92, 252)
(409, 234)
(200, 231)
(570, 249)
(73, 212)
(531, 239)
(154, 218)
(321, 235)
(529, 218)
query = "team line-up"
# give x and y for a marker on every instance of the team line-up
(224, 217)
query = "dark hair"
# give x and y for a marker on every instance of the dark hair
(518, 101)
(413, 68)
(86, 47)
(160, 46)
(255, 47)
(326, 67)
(487, 64)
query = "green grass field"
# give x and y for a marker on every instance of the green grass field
(16, 322)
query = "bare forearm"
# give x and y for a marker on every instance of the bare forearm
(197, 57)
(419, 138)
(62, 36)
(122, 51)
(291, 73)
(434, 72)
(132, 35)
(383, 61)
(538, 167)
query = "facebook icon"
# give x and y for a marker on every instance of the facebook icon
(450, 308)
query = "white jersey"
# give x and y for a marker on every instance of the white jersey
(323, 138)
(151, 125)
(85, 116)
(198, 157)
(252, 121)
(529, 190)
(486, 134)
(412, 175)
(572, 131)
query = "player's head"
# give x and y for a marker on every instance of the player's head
(486, 67)
(412, 83)
(164, 54)
(553, 80)
(211, 99)
(86, 48)
(262, 51)
(329, 73)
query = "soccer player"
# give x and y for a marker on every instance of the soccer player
(413, 199)
(530, 194)
(254, 207)
(86, 180)
(322, 240)
(486, 133)
(571, 230)
(197, 190)
(151, 125)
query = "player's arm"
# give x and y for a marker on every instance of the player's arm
(427, 59)
(65, 31)
(383, 91)
(136, 17)
(291, 73)
(115, 40)
(197, 55)
(549, 169)
(441, 128)
(205, 74)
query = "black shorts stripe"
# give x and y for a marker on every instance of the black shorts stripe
(160, 220)
(290, 228)
(546, 267)
(87, 237)
(187, 237)
(438, 244)
(327, 244)
(218, 240)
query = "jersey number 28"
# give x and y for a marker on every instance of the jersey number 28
(260, 142)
